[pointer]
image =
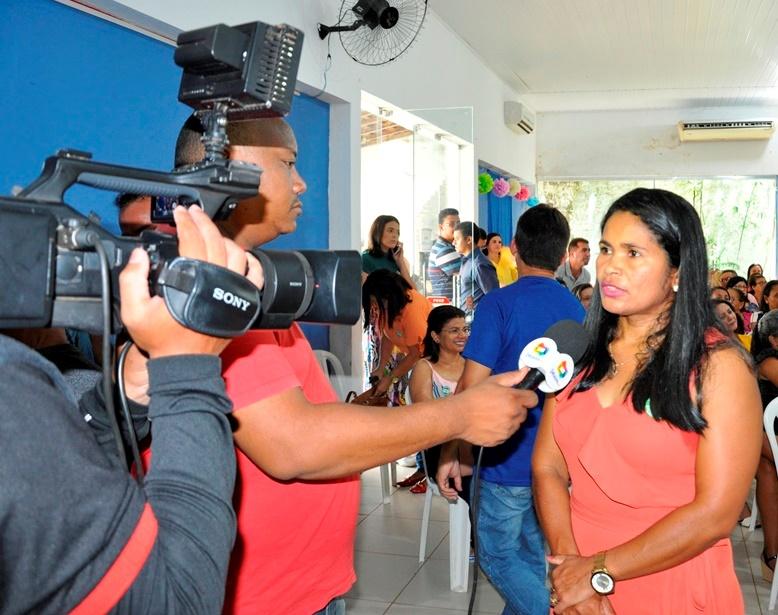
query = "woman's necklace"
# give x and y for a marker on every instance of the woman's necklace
(616, 365)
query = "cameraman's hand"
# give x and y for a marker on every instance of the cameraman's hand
(147, 319)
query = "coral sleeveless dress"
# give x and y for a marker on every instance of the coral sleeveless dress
(628, 471)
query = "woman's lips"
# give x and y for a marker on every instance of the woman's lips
(609, 290)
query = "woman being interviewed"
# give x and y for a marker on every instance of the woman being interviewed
(659, 434)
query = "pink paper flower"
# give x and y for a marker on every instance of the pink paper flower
(500, 188)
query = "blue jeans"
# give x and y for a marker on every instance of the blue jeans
(511, 548)
(336, 606)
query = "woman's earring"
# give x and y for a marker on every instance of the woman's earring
(675, 287)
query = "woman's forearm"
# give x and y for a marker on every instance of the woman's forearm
(552, 502)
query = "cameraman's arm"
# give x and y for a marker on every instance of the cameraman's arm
(92, 408)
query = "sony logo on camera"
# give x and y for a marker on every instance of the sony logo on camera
(230, 299)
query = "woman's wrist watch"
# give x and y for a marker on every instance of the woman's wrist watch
(602, 581)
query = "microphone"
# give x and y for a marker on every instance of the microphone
(552, 358)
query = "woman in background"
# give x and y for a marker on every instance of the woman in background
(398, 313)
(756, 284)
(385, 250)
(645, 526)
(731, 320)
(766, 361)
(502, 259)
(584, 292)
(435, 376)
(754, 269)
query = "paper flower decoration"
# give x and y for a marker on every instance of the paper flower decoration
(523, 194)
(514, 186)
(485, 183)
(532, 201)
(501, 187)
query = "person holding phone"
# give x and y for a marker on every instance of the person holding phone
(385, 250)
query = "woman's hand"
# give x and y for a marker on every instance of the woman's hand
(571, 580)
(596, 605)
(383, 385)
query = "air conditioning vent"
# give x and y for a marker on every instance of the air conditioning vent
(518, 118)
(739, 130)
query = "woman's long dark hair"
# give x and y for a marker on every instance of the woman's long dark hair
(678, 350)
(741, 327)
(390, 290)
(376, 232)
(436, 320)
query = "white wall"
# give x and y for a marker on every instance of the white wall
(614, 144)
(439, 70)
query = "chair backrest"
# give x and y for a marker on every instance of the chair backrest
(770, 414)
(330, 364)
(332, 368)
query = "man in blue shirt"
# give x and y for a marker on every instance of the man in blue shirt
(510, 542)
(444, 261)
(477, 274)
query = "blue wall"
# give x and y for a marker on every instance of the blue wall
(74, 80)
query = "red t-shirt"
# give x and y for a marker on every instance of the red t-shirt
(295, 546)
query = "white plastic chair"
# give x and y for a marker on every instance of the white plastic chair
(752, 520)
(770, 414)
(458, 535)
(333, 369)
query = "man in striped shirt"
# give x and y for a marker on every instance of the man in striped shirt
(444, 261)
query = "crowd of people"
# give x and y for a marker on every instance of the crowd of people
(627, 483)
(633, 477)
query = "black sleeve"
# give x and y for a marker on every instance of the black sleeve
(67, 510)
(92, 408)
(189, 486)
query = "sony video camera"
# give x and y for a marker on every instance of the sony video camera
(60, 268)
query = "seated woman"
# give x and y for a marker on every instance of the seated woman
(766, 359)
(502, 259)
(436, 375)
(756, 284)
(738, 302)
(731, 320)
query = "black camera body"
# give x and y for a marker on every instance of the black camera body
(58, 265)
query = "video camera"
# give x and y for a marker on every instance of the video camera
(57, 264)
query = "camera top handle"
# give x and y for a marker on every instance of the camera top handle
(217, 185)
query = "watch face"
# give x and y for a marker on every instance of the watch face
(602, 582)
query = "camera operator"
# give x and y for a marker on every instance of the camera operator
(79, 534)
(298, 450)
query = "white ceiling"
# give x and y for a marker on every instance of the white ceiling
(625, 54)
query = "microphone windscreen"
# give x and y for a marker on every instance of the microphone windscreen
(570, 337)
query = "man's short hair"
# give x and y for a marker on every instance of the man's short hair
(575, 241)
(481, 234)
(467, 229)
(542, 234)
(445, 213)
(263, 132)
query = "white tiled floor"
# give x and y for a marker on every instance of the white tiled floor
(391, 581)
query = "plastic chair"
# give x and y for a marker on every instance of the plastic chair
(458, 535)
(332, 368)
(753, 518)
(770, 415)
